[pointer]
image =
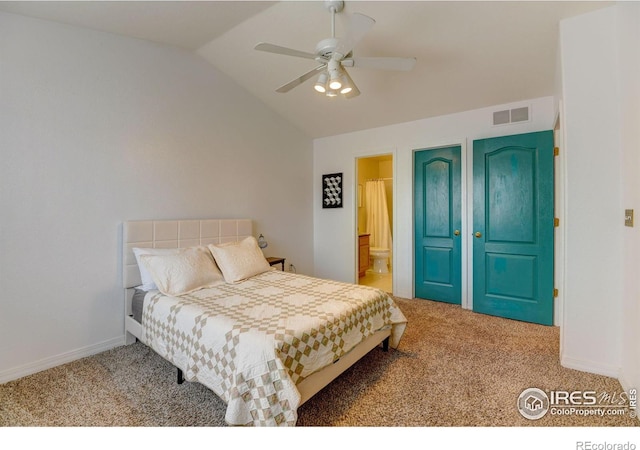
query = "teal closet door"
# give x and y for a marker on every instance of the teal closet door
(437, 207)
(513, 226)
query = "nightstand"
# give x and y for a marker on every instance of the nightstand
(272, 260)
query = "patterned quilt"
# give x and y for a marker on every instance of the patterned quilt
(252, 342)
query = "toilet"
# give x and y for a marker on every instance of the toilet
(380, 257)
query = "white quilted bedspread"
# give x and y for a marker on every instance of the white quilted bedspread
(252, 342)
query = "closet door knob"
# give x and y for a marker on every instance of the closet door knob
(478, 234)
(456, 233)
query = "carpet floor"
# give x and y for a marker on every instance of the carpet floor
(453, 368)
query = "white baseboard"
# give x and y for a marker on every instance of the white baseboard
(625, 384)
(57, 360)
(403, 294)
(590, 367)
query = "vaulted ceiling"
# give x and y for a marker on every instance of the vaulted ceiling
(469, 54)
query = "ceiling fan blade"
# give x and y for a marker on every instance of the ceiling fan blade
(301, 79)
(271, 48)
(359, 25)
(382, 63)
(354, 89)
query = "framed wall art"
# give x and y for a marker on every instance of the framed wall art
(332, 190)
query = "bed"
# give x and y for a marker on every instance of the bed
(201, 294)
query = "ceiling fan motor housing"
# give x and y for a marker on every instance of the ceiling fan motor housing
(326, 47)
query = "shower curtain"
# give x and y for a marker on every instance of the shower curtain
(378, 226)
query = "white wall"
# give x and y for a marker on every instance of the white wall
(97, 129)
(334, 229)
(628, 22)
(601, 142)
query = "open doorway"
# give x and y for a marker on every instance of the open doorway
(375, 222)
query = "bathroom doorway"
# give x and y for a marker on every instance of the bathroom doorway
(374, 253)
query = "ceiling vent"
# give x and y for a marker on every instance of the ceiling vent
(511, 116)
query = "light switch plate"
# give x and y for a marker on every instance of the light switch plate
(628, 217)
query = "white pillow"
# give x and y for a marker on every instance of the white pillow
(239, 260)
(145, 276)
(184, 272)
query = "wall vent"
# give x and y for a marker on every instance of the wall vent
(511, 116)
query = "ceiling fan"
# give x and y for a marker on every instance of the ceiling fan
(334, 55)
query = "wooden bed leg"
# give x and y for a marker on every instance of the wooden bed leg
(180, 377)
(385, 345)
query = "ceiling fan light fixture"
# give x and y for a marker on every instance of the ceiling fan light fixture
(346, 84)
(346, 89)
(335, 74)
(335, 84)
(321, 84)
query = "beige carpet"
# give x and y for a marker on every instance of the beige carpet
(453, 368)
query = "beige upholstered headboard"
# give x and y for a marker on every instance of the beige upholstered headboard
(175, 234)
